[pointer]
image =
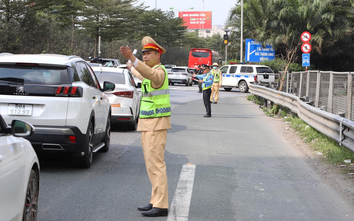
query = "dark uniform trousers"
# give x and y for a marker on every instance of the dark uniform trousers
(153, 143)
(206, 99)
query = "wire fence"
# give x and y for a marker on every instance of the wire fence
(328, 90)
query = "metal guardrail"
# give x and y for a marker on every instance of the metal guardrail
(333, 126)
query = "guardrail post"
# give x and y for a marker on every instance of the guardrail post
(291, 83)
(330, 93)
(300, 84)
(349, 96)
(318, 86)
(265, 103)
(307, 84)
(287, 82)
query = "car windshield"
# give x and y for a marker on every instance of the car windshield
(114, 77)
(264, 70)
(178, 70)
(35, 74)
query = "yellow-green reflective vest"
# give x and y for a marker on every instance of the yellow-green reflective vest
(216, 74)
(155, 102)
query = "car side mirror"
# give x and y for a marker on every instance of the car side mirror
(21, 128)
(108, 86)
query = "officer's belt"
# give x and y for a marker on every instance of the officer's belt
(155, 93)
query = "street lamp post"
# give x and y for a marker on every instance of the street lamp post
(241, 43)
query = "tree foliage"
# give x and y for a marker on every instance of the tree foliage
(281, 22)
(74, 27)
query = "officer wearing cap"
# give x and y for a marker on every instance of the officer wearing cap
(154, 120)
(217, 83)
(206, 79)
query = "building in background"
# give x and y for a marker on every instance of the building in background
(215, 29)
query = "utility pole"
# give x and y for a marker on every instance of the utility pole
(241, 43)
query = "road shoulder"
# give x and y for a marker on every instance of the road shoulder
(333, 175)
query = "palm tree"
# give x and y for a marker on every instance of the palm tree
(281, 22)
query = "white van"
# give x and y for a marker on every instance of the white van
(241, 75)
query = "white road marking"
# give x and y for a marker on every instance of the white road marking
(179, 209)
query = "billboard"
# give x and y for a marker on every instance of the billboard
(196, 19)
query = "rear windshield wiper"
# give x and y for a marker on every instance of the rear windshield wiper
(13, 80)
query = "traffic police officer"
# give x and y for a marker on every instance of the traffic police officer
(217, 83)
(206, 80)
(154, 120)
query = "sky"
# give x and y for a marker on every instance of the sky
(219, 8)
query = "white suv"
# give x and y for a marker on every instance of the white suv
(180, 75)
(242, 75)
(61, 96)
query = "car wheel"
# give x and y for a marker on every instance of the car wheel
(227, 89)
(243, 87)
(86, 161)
(134, 124)
(31, 202)
(107, 137)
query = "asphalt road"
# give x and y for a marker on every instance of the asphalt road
(243, 171)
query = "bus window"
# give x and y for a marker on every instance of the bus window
(200, 54)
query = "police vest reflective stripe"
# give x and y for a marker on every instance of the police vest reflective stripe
(155, 93)
(204, 79)
(155, 102)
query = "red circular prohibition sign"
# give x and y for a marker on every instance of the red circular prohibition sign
(306, 48)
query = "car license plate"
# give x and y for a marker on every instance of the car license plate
(20, 109)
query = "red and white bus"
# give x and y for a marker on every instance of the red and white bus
(199, 56)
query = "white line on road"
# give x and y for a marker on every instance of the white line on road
(179, 209)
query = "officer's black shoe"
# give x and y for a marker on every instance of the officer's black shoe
(215, 102)
(207, 115)
(145, 208)
(154, 212)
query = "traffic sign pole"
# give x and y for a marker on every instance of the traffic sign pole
(306, 47)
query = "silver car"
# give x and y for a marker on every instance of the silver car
(124, 99)
(180, 75)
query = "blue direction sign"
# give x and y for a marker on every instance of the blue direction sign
(305, 60)
(256, 53)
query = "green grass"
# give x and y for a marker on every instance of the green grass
(332, 152)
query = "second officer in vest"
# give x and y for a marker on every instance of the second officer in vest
(217, 83)
(206, 80)
(154, 120)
